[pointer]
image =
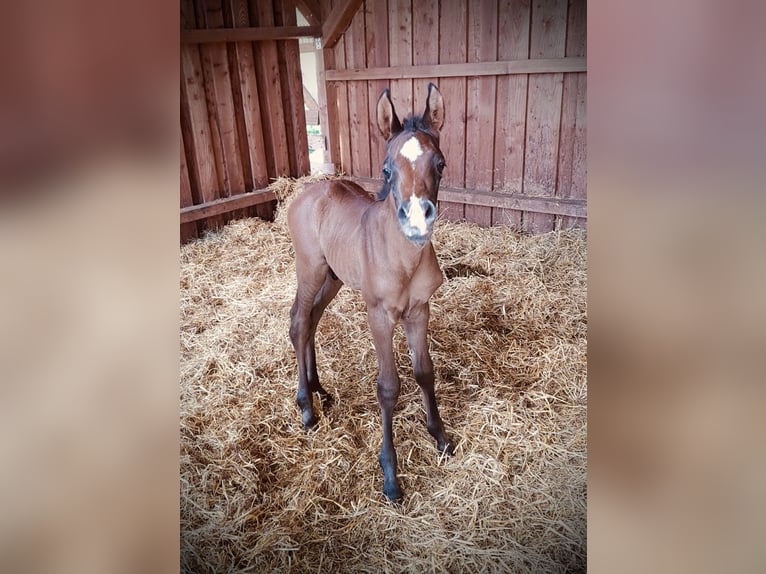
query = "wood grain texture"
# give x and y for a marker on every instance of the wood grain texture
(548, 35)
(217, 63)
(453, 22)
(200, 102)
(238, 107)
(572, 161)
(338, 20)
(551, 205)
(344, 123)
(511, 115)
(330, 127)
(251, 109)
(512, 73)
(188, 230)
(292, 87)
(242, 119)
(270, 93)
(226, 205)
(376, 19)
(499, 68)
(249, 34)
(254, 151)
(359, 115)
(480, 120)
(311, 11)
(328, 109)
(425, 47)
(400, 52)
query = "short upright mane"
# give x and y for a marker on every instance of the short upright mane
(417, 123)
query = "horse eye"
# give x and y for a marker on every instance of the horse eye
(386, 173)
(441, 165)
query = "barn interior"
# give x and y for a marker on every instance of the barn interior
(508, 328)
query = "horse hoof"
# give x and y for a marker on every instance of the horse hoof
(309, 422)
(393, 494)
(327, 400)
(446, 448)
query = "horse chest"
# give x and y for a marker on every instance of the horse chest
(399, 287)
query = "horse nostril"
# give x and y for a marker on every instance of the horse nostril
(402, 213)
(429, 211)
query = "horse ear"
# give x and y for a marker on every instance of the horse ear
(434, 113)
(388, 123)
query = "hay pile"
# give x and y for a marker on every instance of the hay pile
(508, 340)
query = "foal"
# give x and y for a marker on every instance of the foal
(381, 246)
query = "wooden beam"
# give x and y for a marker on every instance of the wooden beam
(205, 36)
(533, 66)
(310, 11)
(226, 204)
(311, 103)
(337, 21)
(553, 205)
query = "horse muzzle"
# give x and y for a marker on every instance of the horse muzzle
(416, 218)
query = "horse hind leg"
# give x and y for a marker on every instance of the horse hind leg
(326, 293)
(309, 284)
(312, 296)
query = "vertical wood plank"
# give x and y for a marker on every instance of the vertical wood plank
(290, 123)
(204, 141)
(480, 128)
(238, 107)
(376, 23)
(571, 179)
(425, 47)
(328, 111)
(513, 44)
(328, 95)
(292, 85)
(233, 174)
(270, 92)
(188, 230)
(453, 23)
(400, 52)
(359, 115)
(547, 40)
(344, 128)
(255, 150)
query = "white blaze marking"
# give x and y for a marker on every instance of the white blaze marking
(411, 149)
(416, 215)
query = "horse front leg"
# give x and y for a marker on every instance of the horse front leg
(415, 323)
(382, 328)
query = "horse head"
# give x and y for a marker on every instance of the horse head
(414, 163)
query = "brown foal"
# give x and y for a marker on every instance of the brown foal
(381, 246)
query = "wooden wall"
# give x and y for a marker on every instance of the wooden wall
(512, 73)
(242, 114)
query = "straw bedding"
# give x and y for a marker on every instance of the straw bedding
(508, 341)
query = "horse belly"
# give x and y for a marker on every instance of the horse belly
(343, 252)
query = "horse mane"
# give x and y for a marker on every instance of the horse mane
(417, 124)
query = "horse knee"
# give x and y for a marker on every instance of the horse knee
(388, 392)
